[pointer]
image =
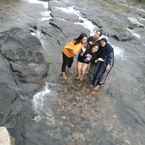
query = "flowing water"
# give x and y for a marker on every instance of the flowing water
(64, 113)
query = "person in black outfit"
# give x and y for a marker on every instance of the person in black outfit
(84, 59)
(85, 56)
(104, 61)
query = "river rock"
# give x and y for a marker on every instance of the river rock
(25, 57)
(133, 23)
(23, 70)
(5, 138)
(123, 36)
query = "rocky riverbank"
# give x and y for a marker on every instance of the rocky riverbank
(37, 106)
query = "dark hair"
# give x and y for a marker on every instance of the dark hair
(79, 39)
(99, 32)
(103, 39)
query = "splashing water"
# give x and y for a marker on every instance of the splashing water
(46, 16)
(85, 22)
(42, 102)
(38, 98)
(44, 4)
(118, 52)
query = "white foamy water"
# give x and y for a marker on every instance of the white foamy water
(134, 33)
(37, 34)
(46, 16)
(85, 22)
(42, 102)
(44, 4)
(118, 52)
(141, 19)
(141, 10)
(39, 98)
(45, 19)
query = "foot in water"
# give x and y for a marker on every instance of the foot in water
(64, 76)
(77, 78)
(95, 90)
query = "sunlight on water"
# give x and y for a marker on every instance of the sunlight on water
(44, 4)
(85, 22)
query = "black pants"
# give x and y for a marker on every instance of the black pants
(67, 62)
(100, 74)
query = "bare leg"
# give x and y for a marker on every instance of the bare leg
(79, 70)
(76, 68)
(88, 69)
(64, 75)
(84, 71)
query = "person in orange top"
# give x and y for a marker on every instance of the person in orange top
(70, 50)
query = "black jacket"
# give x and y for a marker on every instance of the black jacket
(106, 53)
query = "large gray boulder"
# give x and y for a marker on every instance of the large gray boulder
(23, 70)
(25, 57)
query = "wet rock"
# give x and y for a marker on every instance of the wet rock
(141, 13)
(123, 36)
(133, 23)
(78, 118)
(120, 1)
(58, 13)
(25, 56)
(65, 26)
(23, 70)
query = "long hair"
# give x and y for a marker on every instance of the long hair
(79, 39)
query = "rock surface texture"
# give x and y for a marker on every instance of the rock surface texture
(37, 106)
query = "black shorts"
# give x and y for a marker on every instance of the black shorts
(82, 59)
(67, 62)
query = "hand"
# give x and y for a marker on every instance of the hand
(100, 59)
(108, 67)
(96, 60)
(83, 49)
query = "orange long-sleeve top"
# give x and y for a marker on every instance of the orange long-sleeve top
(71, 50)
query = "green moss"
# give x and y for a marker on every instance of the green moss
(115, 7)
